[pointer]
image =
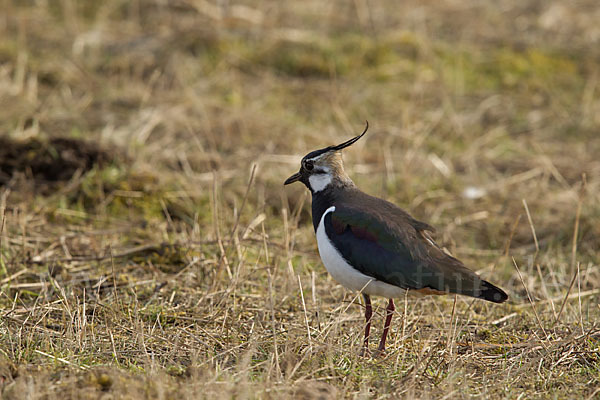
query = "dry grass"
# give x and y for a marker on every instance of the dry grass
(174, 269)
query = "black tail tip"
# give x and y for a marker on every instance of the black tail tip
(493, 293)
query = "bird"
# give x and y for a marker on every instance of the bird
(374, 247)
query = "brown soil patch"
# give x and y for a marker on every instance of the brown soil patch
(49, 161)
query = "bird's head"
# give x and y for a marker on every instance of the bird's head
(320, 168)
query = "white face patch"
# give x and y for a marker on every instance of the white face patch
(317, 158)
(319, 182)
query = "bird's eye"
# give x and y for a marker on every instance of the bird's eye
(308, 165)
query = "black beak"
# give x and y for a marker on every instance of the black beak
(292, 178)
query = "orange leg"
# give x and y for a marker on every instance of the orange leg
(388, 321)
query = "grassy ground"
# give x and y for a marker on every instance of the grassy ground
(149, 249)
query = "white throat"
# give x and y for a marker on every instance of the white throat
(319, 182)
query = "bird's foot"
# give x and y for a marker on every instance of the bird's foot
(364, 352)
(379, 353)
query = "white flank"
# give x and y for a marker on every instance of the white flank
(319, 182)
(344, 273)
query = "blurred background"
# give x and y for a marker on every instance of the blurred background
(148, 140)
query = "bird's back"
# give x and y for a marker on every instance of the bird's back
(385, 242)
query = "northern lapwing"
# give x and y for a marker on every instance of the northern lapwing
(370, 245)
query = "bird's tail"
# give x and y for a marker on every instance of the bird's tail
(492, 293)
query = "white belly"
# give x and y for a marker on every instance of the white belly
(344, 273)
